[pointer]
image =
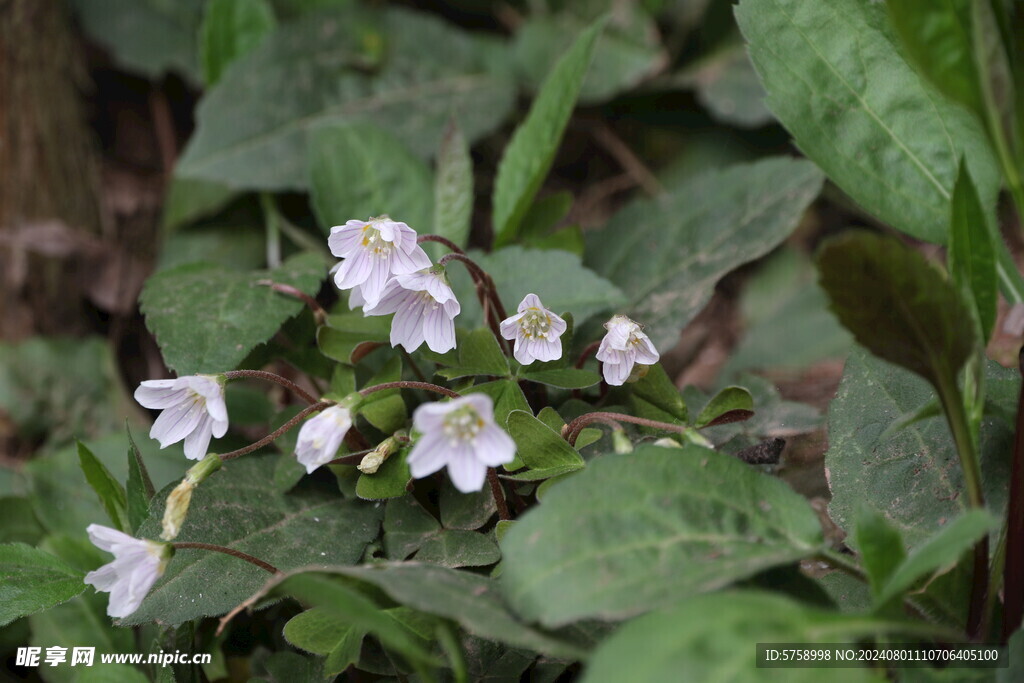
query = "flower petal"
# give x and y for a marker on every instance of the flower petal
(438, 329)
(345, 239)
(175, 423)
(160, 393)
(493, 447)
(410, 261)
(354, 270)
(466, 472)
(105, 538)
(197, 443)
(429, 454)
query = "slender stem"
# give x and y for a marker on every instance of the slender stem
(440, 240)
(269, 438)
(1013, 532)
(475, 271)
(266, 566)
(842, 563)
(586, 353)
(572, 430)
(273, 230)
(953, 406)
(271, 377)
(498, 493)
(318, 312)
(426, 386)
(486, 292)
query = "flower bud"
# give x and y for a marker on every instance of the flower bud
(178, 501)
(621, 442)
(372, 461)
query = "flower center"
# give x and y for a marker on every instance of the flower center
(462, 424)
(374, 243)
(535, 324)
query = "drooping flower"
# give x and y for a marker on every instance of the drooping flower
(461, 434)
(321, 436)
(137, 565)
(425, 308)
(623, 346)
(373, 251)
(193, 410)
(536, 330)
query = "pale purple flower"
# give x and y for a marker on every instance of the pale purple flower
(425, 308)
(461, 434)
(537, 331)
(137, 565)
(193, 410)
(623, 346)
(321, 436)
(373, 251)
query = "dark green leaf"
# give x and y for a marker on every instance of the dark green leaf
(544, 214)
(836, 79)
(230, 29)
(358, 171)
(972, 257)
(385, 409)
(240, 508)
(725, 401)
(285, 667)
(319, 631)
(139, 488)
(453, 190)
(389, 481)
(633, 531)
(189, 200)
(34, 581)
(207, 319)
(540, 448)
(712, 637)
(563, 378)
(347, 337)
(109, 490)
(881, 548)
(479, 354)
(656, 397)
(667, 253)
(458, 548)
(507, 396)
(728, 87)
(896, 304)
(530, 153)
(343, 66)
(465, 510)
(20, 523)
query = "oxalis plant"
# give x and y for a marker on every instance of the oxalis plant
(476, 466)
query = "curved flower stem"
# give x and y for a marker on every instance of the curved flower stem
(277, 432)
(586, 353)
(426, 386)
(487, 293)
(440, 240)
(572, 430)
(498, 493)
(318, 311)
(271, 377)
(266, 566)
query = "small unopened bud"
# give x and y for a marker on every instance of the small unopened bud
(621, 442)
(668, 442)
(638, 373)
(693, 436)
(178, 501)
(372, 461)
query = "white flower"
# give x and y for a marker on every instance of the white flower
(374, 250)
(425, 308)
(321, 436)
(624, 345)
(537, 331)
(462, 435)
(136, 567)
(193, 409)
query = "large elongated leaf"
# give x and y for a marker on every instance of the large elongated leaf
(207, 319)
(346, 65)
(453, 190)
(230, 29)
(111, 493)
(531, 151)
(836, 79)
(668, 253)
(240, 508)
(972, 254)
(633, 532)
(33, 581)
(912, 475)
(361, 171)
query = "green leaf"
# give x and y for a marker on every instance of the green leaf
(909, 475)
(972, 256)
(531, 151)
(453, 190)
(557, 277)
(936, 36)
(20, 523)
(506, 394)
(146, 36)
(896, 304)
(727, 400)
(728, 87)
(942, 549)
(231, 28)
(406, 526)
(667, 253)
(139, 489)
(712, 637)
(187, 201)
(479, 354)
(109, 490)
(471, 600)
(468, 511)
(544, 214)
(347, 337)
(656, 397)
(34, 581)
(284, 667)
(540, 448)
(207, 319)
(385, 409)
(633, 531)
(389, 481)
(319, 631)
(358, 171)
(459, 548)
(563, 378)
(240, 508)
(344, 66)
(837, 81)
(881, 548)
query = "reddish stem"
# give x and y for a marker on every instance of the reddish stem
(266, 566)
(440, 240)
(271, 377)
(572, 430)
(318, 311)
(426, 386)
(269, 438)
(498, 493)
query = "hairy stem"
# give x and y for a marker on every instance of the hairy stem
(572, 430)
(426, 386)
(318, 312)
(271, 377)
(440, 240)
(498, 493)
(266, 566)
(269, 438)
